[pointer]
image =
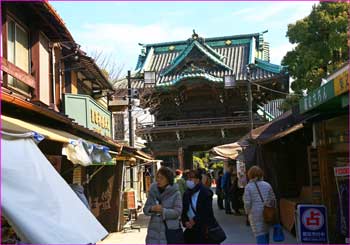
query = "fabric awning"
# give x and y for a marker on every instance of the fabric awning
(133, 152)
(14, 125)
(283, 133)
(288, 123)
(38, 202)
(78, 151)
(232, 150)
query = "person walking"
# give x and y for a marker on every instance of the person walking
(234, 193)
(226, 187)
(254, 205)
(164, 205)
(219, 192)
(197, 213)
(181, 182)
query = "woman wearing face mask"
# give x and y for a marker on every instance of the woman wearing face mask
(197, 213)
(164, 205)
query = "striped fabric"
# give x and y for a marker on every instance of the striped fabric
(254, 206)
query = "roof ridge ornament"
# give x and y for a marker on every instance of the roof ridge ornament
(196, 37)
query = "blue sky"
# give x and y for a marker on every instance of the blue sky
(116, 28)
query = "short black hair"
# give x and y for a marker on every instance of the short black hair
(167, 173)
(195, 174)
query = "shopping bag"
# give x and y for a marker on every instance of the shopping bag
(278, 235)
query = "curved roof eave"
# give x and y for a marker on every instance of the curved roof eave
(187, 50)
(205, 76)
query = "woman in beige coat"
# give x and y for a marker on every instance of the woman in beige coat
(254, 206)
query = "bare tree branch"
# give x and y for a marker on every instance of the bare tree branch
(108, 64)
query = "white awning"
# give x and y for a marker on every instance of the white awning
(37, 201)
(14, 125)
(74, 147)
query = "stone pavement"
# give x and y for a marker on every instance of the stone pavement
(130, 236)
(234, 226)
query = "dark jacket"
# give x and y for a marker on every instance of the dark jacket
(204, 216)
(218, 185)
(226, 182)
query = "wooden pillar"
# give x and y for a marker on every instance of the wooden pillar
(35, 69)
(188, 161)
(74, 83)
(4, 41)
(180, 157)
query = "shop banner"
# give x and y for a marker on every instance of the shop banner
(311, 221)
(37, 201)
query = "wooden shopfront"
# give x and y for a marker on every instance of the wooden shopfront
(329, 152)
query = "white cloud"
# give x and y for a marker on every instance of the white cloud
(268, 11)
(277, 53)
(243, 11)
(122, 39)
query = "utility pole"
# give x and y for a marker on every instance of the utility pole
(131, 126)
(250, 68)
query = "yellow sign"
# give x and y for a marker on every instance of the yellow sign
(341, 83)
(99, 119)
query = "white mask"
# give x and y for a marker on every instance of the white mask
(190, 184)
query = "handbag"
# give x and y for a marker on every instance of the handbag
(269, 213)
(216, 234)
(278, 235)
(174, 236)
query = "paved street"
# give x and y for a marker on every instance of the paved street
(234, 226)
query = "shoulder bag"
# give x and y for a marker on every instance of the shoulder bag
(269, 213)
(173, 236)
(215, 233)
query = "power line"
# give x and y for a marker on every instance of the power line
(273, 90)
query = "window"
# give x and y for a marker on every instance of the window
(18, 52)
(119, 130)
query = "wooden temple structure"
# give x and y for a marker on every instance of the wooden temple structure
(193, 111)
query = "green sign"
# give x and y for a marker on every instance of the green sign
(88, 113)
(317, 97)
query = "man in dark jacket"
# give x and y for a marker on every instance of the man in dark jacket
(226, 187)
(219, 191)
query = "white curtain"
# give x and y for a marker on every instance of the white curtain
(38, 203)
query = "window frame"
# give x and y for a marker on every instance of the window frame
(10, 17)
(23, 27)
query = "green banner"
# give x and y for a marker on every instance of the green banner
(88, 113)
(317, 97)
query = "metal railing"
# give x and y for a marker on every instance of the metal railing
(271, 110)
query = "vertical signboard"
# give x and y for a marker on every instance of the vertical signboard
(342, 175)
(311, 221)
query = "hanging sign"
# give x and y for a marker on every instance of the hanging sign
(341, 83)
(311, 223)
(341, 171)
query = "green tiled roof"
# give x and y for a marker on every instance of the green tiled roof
(205, 49)
(227, 55)
(268, 66)
(197, 74)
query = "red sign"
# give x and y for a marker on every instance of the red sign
(342, 171)
(313, 219)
